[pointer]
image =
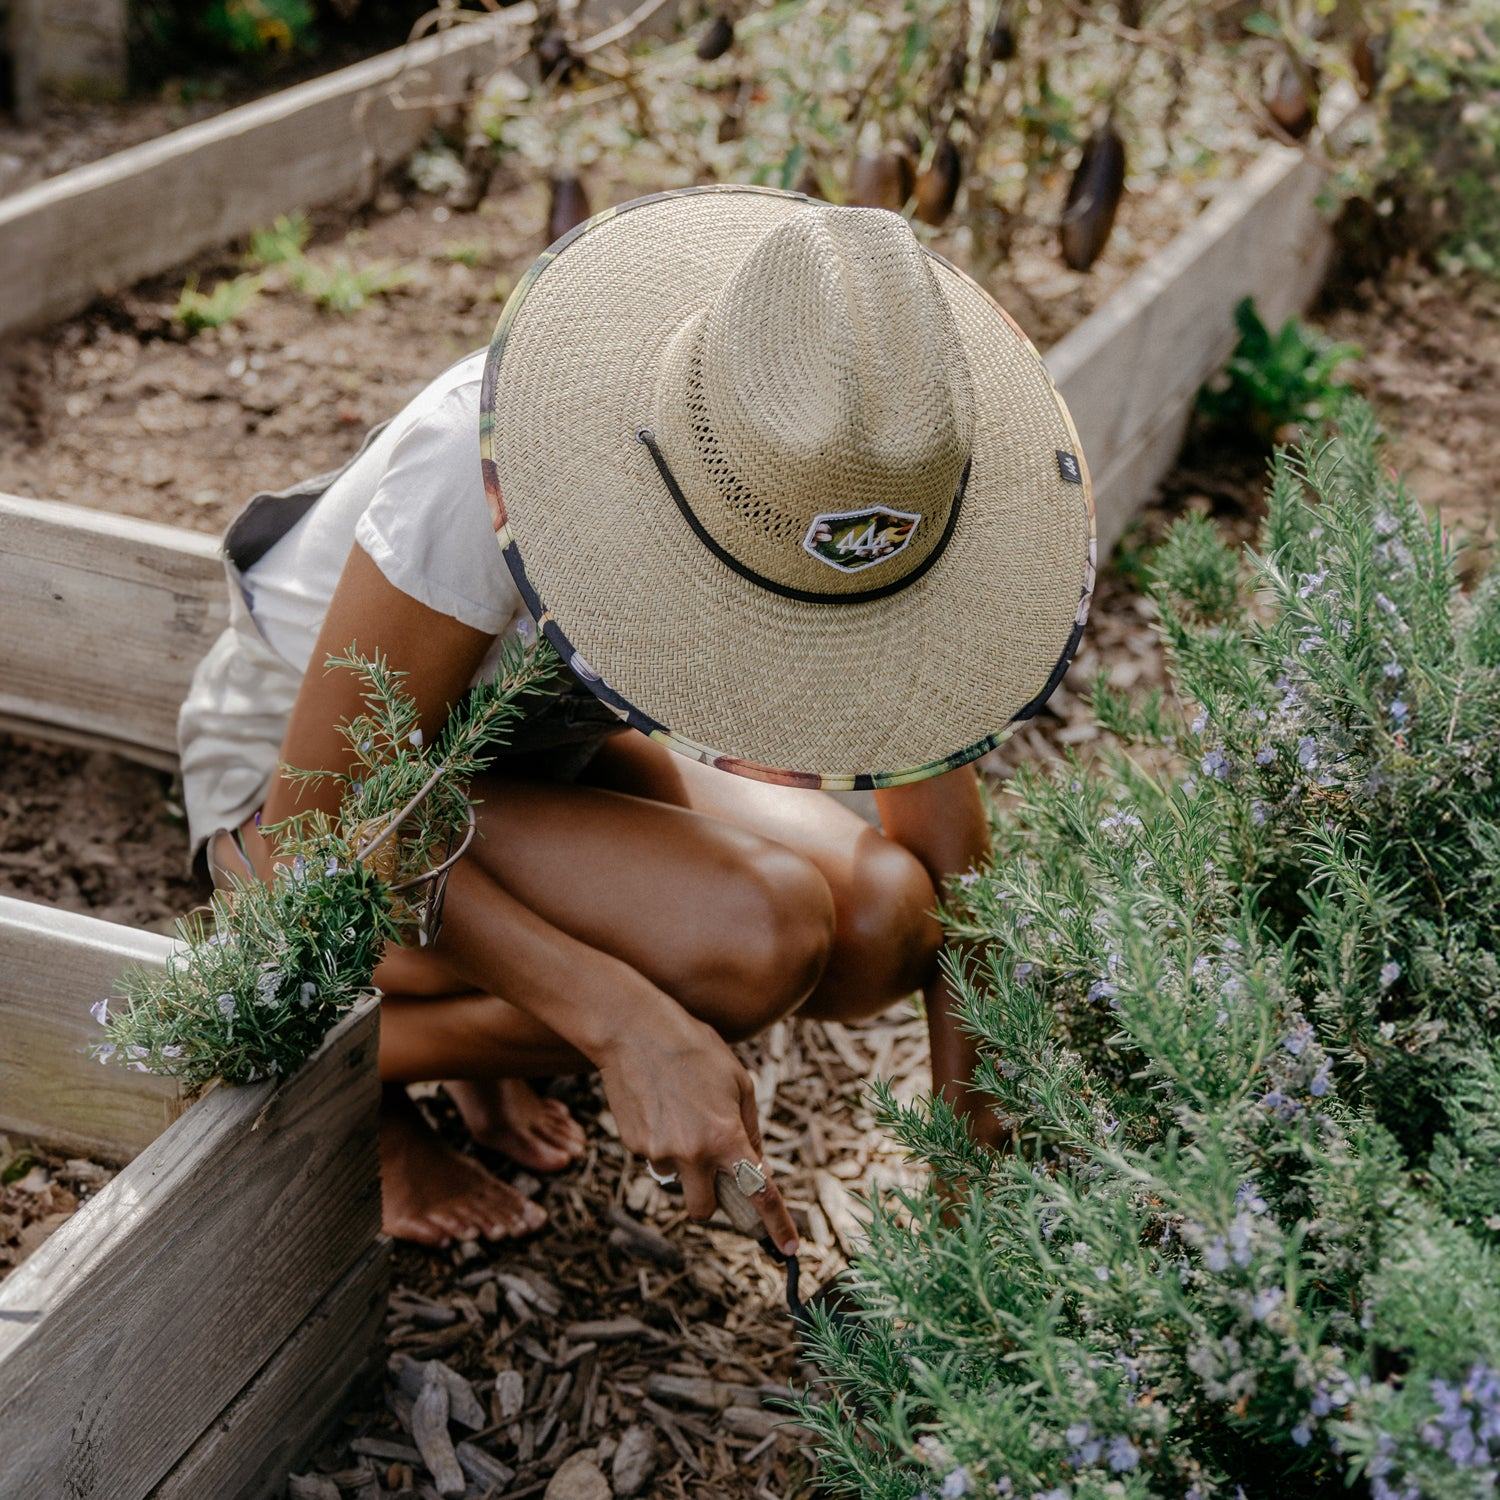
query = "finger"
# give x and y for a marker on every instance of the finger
(750, 1115)
(773, 1214)
(698, 1191)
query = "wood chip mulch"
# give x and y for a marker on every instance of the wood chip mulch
(626, 1350)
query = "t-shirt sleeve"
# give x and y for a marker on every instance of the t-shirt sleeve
(428, 525)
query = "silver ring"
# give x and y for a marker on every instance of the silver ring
(662, 1179)
(749, 1178)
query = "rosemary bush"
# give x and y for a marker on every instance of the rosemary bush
(259, 980)
(1240, 1014)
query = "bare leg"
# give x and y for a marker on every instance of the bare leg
(740, 900)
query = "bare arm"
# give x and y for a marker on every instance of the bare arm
(635, 1032)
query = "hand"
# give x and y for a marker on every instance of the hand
(682, 1100)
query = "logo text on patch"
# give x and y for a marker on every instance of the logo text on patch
(853, 540)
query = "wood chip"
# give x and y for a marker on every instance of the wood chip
(510, 1394)
(484, 1468)
(640, 1239)
(463, 1405)
(578, 1479)
(429, 1430)
(634, 1460)
(311, 1487)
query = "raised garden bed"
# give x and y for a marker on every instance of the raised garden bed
(1129, 372)
(192, 1328)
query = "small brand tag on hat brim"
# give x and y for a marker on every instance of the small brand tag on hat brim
(1068, 466)
(853, 540)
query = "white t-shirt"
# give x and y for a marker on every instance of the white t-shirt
(415, 501)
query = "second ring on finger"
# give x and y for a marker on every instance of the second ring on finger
(662, 1179)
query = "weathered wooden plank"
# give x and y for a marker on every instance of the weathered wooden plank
(53, 965)
(103, 618)
(279, 1417)
(1131, 370)
(324, 141)
(138, 1322)
(201, 186)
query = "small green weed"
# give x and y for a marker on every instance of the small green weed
(468, 253)
(228, 301)
(1275, 380)
(342, 287)
(280, 245)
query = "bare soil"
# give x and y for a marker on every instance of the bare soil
(1431, 367)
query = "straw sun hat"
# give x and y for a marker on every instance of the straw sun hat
(788, 491)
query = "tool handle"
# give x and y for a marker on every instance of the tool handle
(738, 1209)
(740, 1212)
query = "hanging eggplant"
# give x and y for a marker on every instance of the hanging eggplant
(938, 183)
(1367, 57)
(1000, 39)
(1288, 101)
(1093, 198)
(881, 179)
(717, 38)
(570, 207)
(555, 59)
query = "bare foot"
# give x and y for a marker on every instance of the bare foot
(509, 1116)
(433, 1195)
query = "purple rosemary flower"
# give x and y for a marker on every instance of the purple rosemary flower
(307, 993)
(1200, 723)
(1102, 989)
(1216, 765)
(956, 1484)
(1311, 582)
(173, 1051)
(331, 868)
(1307, 752)
(1296, 1041)
(1389, 974)
(414, 739)
(1258, 813)
(1024, 968)
(1086, 1448)
(99, 1010)
(1265, 755)
(226, 1005)
(1247, 1196)
(1393, 670)
(1321, 1080)
(1123, 1455)
(1216, 1255)
(1399, 711)
(105, 1051)
(299, 868)
(1385, 605)
(1302, 1434)
(1265, 1302)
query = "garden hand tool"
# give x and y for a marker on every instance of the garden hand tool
(734, 1190)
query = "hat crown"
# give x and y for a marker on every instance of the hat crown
(826, 378)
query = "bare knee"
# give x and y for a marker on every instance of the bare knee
(774, 942)
(888, 939)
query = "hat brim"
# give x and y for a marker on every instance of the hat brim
(840, 696)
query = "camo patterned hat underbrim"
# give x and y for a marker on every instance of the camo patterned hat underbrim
(868, 691)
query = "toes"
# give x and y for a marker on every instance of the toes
(420, 1231)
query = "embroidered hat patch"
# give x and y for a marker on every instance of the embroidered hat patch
(853, 540)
